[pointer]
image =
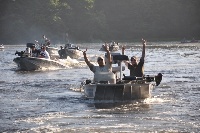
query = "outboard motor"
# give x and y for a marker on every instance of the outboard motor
(158, 78)
(19, 53)
(28, 52)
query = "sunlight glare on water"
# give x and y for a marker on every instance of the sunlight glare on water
(51, 100)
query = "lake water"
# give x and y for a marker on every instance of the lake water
(51, 101)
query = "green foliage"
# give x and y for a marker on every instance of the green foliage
(98, 20)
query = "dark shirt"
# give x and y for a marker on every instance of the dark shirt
(35, 53)
(137, 70)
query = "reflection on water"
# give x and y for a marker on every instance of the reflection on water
(123, 106)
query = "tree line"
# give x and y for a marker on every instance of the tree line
(24, 21)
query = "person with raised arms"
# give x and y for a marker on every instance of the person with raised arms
(103, 66)
(136, 67)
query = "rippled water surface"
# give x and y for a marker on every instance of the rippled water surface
(51, 101)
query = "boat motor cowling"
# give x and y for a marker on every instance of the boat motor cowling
(158, 78)
(19, 53)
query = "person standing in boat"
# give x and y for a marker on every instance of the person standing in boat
(44, 53)
(136, 68)
(34, 51)
(102, 65)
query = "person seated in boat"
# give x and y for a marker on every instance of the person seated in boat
(102, 65)
(136, 68)
(44, 53)
(34, 52)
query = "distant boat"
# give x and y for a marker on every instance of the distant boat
(28, 63)
(1, 47)
(112, 47)
(70, 50)
(190, 41)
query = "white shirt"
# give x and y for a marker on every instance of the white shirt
(106, 68)
(45, 54)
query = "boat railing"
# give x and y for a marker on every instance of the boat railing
(145, 79)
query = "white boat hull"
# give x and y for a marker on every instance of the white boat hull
(72, 53)
(1, 47)
(33, 63)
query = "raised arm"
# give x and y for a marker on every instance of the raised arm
(123, 49)
(143, 49)
(86, 59)
(108, 53)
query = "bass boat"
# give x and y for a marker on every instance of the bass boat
(105, 85)
(71, 51)
(1, 47)
(34, 63)
(26, 62)
(112, 47)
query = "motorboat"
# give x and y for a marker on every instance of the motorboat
(70, 50)
(1, 47)
(106, 85)
(112, 47)
(34, 63)
(53, 51)
(26, 62)
(189, 41)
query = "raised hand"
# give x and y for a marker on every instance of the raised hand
(106, 47)
(123, 49)
(144, 42)
(84, 52)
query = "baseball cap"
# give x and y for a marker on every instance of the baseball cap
(99, 58)
(134, 57)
